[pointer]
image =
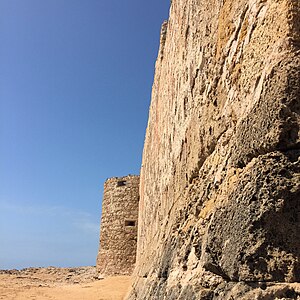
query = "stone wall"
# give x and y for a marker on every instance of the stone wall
(119, 223)
(220, 209)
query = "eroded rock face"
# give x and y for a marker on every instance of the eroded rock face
(220, 208)
(256, 235)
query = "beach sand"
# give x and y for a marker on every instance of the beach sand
(61, 283)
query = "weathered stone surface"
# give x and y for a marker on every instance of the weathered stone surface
(256, 235)
(119, 221)
(219, 186)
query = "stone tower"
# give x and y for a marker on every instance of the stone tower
(118, 234)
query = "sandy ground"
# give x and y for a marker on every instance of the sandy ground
(60, 284)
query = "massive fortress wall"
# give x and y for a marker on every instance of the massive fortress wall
(219, 182)
(119, 221)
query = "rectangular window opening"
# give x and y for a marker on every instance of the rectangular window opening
(129, 223)
(121, 183)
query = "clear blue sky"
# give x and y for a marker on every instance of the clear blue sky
(75, 87)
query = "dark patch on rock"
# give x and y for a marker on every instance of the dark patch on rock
(256, 237)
